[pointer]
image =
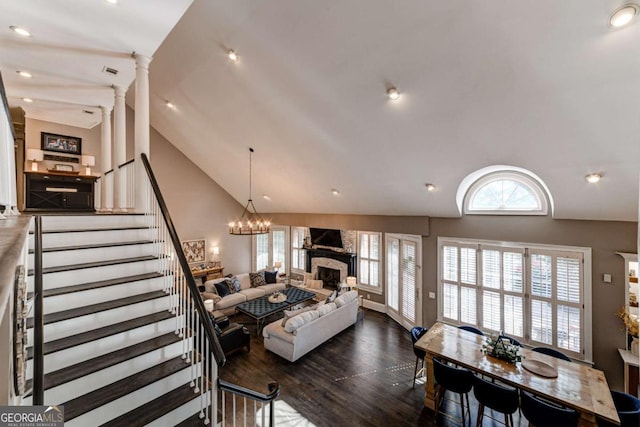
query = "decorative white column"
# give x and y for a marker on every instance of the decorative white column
(141, 127)
(106, 204)
(120, 150)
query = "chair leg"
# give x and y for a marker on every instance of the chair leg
(415, 372)
(462, 408)
(480, 414)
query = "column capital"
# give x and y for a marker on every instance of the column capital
(106, 109)
(142, 61)
(119, 91)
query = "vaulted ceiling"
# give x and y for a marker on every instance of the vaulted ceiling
(545, 86)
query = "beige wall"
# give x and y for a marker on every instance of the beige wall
(91, 142)
(199, 207)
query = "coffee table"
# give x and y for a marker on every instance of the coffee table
(260, 308)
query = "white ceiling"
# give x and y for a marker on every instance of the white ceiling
(543, 85)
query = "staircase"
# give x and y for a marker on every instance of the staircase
(113, 351)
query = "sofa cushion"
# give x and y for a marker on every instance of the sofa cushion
(222, 288)
(253, 293)
(301, 319)
(272, 287)
(276, 330)
(210, 285)
(231, 300)
(326, 308)
(245, 281)
(345, 298)
(270, 276)
(257, 279)
(211, 296)
(288, 314)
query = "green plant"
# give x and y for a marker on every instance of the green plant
(502, 349)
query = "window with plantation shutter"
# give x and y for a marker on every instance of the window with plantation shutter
(270, 248)
(409, 280)
(297, 252)
(536, 294)
(369, 257)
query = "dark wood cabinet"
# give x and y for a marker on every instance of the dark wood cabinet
(58, 191)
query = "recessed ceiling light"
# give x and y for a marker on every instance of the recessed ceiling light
(25, 74)
(169, 104)
(593, 178)
(623, 16)
(233, 55)
(29, 100)
(266, 197)
(112, 1)
(430, 187)
(335, 192)
(393, 93)
(19, 30)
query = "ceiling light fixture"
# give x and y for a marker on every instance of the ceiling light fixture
(169, 104)
(335, 192)
(393, 93)
(25, 74)
(592, 178)
(254, 223)
(233, 55)
(264, 196)
(29, 100)
(623, 15)
(114, 2)
(430, 187)
(19, 30)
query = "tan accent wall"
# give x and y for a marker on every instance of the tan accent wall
(199, 207)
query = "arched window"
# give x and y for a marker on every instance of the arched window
(506, 192)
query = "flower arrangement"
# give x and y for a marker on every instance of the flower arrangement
(502, 349)
(630, 321)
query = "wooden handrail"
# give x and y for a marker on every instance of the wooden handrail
(182, 259)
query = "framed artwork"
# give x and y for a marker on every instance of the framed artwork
(61, 143)
(194, 250)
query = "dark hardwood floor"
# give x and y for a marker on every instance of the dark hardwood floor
(361, 377)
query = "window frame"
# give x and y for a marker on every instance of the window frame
(295, 249)
(379, 289)
(583, 253)
(270, 257)
(525, 180)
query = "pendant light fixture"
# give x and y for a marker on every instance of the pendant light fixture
(253, 223)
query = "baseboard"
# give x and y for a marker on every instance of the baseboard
(375, 306)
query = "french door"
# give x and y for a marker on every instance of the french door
(404, 279)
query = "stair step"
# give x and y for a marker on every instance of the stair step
(93, 246)
(95, 285)
(155, 409)
(90, 366)
(71, 267)
(95, 308)
(195, 420)
(96, 334)
(82, 230)
(94, 399)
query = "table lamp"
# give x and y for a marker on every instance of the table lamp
(351, 282)
(88, 161)
(35, 156)
(277, 265)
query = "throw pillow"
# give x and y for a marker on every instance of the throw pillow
(326, 308)
(236, 283)
(296, 322)
(332, 297)
(231, 286)
(210, 286)
(222, 288)
(257, 279)
(314, 284)
(271, 276)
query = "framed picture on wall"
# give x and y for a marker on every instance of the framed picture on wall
(194, 250)
(61, 143)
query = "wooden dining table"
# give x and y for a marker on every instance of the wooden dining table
(577, 386)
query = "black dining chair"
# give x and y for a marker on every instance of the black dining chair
(628, 408)
(541, 413)
(456, 380)
(416, 333)
(471, 329)
(500, 398)
(551, 352)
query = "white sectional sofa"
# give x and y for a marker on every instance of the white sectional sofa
(312, 328)
(227, 305)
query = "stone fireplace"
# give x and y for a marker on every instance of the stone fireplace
(330, 266)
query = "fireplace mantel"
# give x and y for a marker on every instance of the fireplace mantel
(348, 258)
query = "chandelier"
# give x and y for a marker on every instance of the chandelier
(249, 222)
